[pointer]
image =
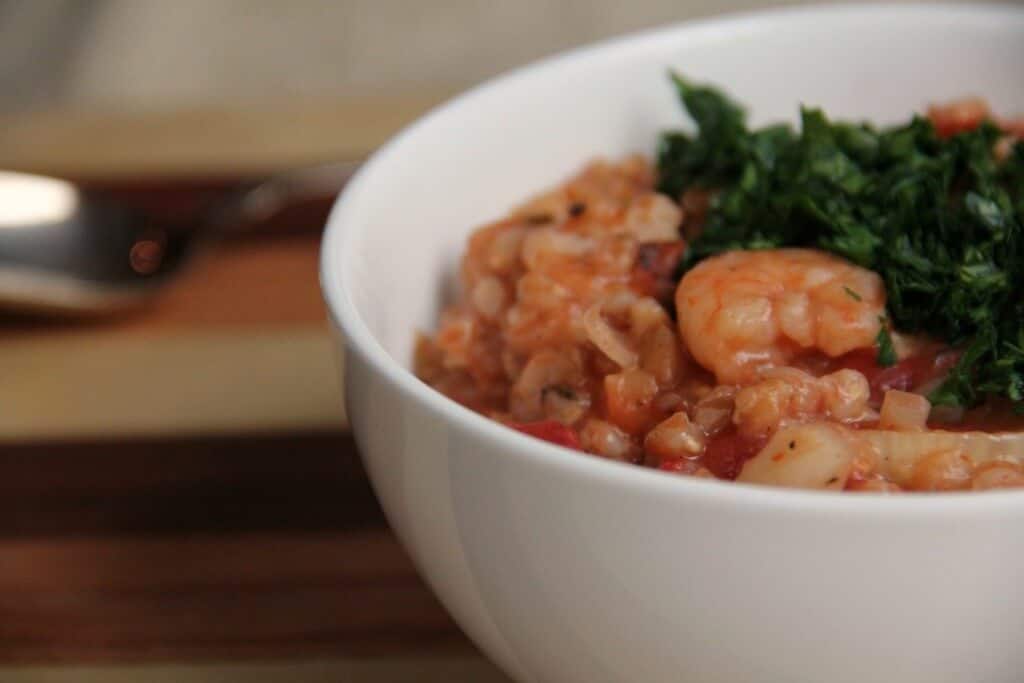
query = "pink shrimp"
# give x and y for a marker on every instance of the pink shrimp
(747, 310)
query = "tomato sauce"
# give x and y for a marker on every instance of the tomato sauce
(551, 431)
(726, 453)
(995, 415)
(912, 372)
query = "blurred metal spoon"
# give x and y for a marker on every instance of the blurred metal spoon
(65, 250)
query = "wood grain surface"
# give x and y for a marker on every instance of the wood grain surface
(409, 669)
(239, 344)
(199, 549)
(261, 138)
(179, 500)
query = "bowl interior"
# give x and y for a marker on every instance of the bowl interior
(394, 240)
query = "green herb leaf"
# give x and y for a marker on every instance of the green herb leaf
(941, 220)
(886, 351)
(708, 159)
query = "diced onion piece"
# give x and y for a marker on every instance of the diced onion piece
(605, 439)
(654, 218)
(503, 253)
(899, 452)
(489, 297)
(676, 437)
(661, 356)
(545, 244)
(607, 339)
(646, 313)
(904, 411)
(545, 370)
(714, 411)
(629, 400)
(808, 456)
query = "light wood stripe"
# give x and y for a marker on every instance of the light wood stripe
(178, 383)
(261, 137)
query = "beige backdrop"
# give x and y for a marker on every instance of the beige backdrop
(186, 53)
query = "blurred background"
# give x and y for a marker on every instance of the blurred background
(151, 54)
(179, 498)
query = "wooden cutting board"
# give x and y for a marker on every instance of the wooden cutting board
(179, 498)
(262, 137)
(407, 670)
(240, 344)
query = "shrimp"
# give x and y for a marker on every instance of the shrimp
(746, 310)
(788, 394)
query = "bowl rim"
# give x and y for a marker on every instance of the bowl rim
(338, 238)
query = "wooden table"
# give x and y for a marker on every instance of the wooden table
(180, 500)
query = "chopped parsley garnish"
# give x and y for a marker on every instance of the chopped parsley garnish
(852, 294)
(886, 351)
(941, 220)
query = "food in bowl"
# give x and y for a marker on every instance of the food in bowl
(566, 567)
(837, 307)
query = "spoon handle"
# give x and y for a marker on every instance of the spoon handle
(261, 202)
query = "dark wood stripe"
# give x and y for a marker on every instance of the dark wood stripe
(203, 548)
(304, 482)
(265, 595)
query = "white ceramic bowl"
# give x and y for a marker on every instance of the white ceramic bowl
(565, 567)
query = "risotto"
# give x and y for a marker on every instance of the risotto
(683, 316)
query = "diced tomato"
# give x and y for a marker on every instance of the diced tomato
(725, 453)
(903, 376)
(644, 283)
(966, 115)
(550, 430)
(995, 415)
(958, 117)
